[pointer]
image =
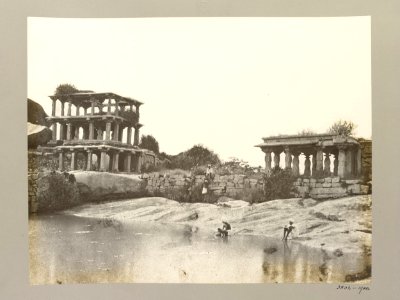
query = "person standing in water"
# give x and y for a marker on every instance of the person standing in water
(287, 229)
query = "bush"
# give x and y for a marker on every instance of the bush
(279, 185)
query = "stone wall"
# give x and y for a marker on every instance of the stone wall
(32, 191)
(331, 187)
(366, 159)
(229, 185)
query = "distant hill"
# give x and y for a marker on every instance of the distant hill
(36, 114)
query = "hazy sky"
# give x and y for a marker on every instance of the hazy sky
(221, 82)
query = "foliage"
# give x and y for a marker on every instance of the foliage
(196, 156)
(150, 143)
(279, 184)
(343, 128)
(65, 88)
(306, 132)
(236, 166)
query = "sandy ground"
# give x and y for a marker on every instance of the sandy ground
(343, 224)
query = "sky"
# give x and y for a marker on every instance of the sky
(221, 82)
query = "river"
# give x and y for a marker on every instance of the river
(69, 249)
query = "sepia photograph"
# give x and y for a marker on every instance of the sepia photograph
(199, 150)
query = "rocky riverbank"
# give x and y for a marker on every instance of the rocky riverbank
(340, 225)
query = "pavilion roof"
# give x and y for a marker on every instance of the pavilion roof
(83, 98)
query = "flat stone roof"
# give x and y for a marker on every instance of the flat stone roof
(306, 140)
(83, 98)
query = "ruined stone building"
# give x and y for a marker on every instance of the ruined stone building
(332, 165)
(101, 129)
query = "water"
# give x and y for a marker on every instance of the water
(69, 249)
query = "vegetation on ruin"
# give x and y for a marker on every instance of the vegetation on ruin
(150, 143)
(65, 88)
(196, 156)
(279, 184)
(306, 132)
(343, 128)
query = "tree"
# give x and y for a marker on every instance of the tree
(343, 128)
(150, 143)
(196, 156)
(65, 88)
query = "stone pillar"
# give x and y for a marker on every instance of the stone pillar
(349, 162)
(320, 156)
(89, 160)
(335, 165)
(277, 157)
(54, 137)
(137, 112)
(129, 135)
(77, 110)
(108, 131)
(109, 107)
(53, 108)
(103, 166)
(115, 162)
(61, 161)
(62, 108)
(69, 108)
(116, 131)
(314, 164)
(327, 164)
(73, 160)
(139, 162)
(359, 162)
(268, 161)
(288, 158)
(116, 112)
(128, 162)
(99, 135)
(76, 137)
(62, 132)
(69, 131)
(92, 106)
(307, 165)
(296, 167)
(136, 136)
(91, 130)
(342, 162)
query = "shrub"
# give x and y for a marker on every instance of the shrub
(279, 185)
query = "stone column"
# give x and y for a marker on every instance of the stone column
(349, 162)
(116, 112)
(128, 162)
(73, 160)
(61, 161)
(320, 156)
(69, 108)
(54, 137)
(62, 132)
(268, 160)
(115, 162)
(139, 162)
(69, 131)
(342, 162)
(327, 164)
(335, 165)
(109, 107)
(137, 112)
(103, 166)
(314, 164)
(116, 131)
(359, 162)
(62, 108)
(307, 165)
(288, 158)
(129, 135)
(296, 167)
(91, 130)
(76, 137)
(89, 160)
(136, 136)
(277, 157)
(53, 108)
(78, 107)
(92, 106)
(108, 131)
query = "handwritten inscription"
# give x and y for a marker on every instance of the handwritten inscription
(360, 288)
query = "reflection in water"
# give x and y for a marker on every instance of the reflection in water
(67, 249)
